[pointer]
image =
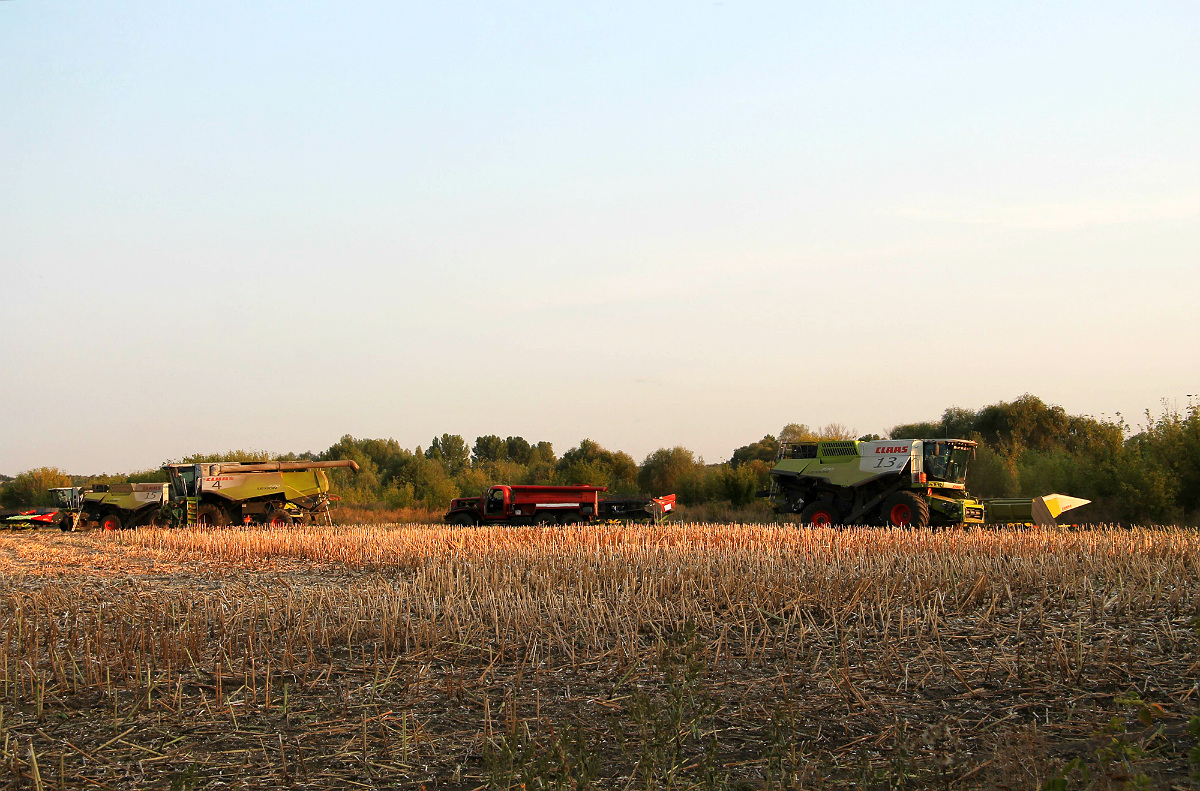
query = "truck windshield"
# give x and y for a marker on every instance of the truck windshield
(944, 462)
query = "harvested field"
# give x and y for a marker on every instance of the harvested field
(697, 656)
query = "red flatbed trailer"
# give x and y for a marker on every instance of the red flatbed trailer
(545, 505)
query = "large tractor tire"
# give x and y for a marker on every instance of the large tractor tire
(111, 521)
(209, 515)
(905, 509)
(820, 515)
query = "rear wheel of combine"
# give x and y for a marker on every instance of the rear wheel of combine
(279, 518)
(209, 515)
(905, 509)
(153, 519)
(819, 515)
(111, 522)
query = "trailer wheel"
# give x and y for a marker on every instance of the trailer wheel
(111, 522)
(820, 515)
(209, 515)
(905, 509)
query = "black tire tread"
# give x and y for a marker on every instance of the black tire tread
(917, 504)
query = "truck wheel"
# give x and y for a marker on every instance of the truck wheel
(462, 520)
(279, 518)
(111, 522)
(209, 515)
(819, 515)
(545, 518)
(905, 509)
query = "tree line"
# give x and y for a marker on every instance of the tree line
(1026, 448)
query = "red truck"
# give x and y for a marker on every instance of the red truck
(546, 505)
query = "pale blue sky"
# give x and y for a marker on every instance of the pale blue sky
(264, 225)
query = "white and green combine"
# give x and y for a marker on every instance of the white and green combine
(214, 494)
(902, 483)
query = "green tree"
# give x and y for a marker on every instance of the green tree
(924, 430)
(991, 475)
(488, 448)
(542, 453)
(674, 470)
(30, 487)
(451, 451)
(766, 449)
(796, 432)
(740, 484)
(433, 486)
(516, 449)
(590, 463)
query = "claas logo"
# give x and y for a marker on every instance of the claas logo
(893, 449)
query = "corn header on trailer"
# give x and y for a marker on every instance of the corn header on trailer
(214, 494)
(911, 482)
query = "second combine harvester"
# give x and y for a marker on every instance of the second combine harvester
(217, 493)
(897, 482)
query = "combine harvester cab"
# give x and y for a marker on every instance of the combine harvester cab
(277, 493)
(899, 483)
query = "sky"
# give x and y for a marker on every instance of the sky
(266, 225)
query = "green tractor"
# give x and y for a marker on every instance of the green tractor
(901, 483)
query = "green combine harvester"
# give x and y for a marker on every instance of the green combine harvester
(902, 483)
(277, 493)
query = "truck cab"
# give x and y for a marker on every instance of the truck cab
(497, 502)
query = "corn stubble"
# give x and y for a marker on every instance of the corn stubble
(696, 656)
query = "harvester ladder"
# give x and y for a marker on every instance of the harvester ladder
(193, 507)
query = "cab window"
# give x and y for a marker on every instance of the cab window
(495, 502)
(183, 481)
